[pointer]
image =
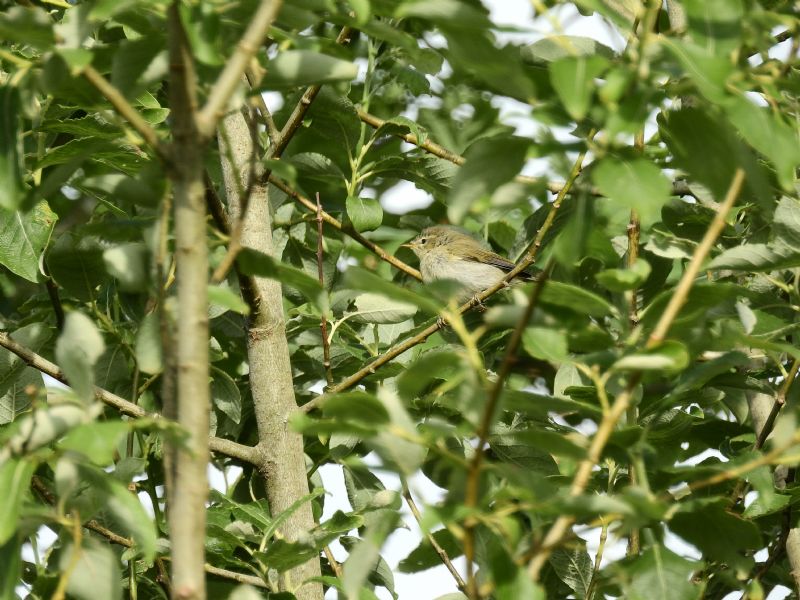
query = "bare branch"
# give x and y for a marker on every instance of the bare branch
(445, 558)
(231, 76)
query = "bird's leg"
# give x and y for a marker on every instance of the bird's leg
(441, 322)
(478, 303)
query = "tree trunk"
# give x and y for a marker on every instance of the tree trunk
(280, 450)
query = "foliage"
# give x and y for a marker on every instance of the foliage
(666, 123)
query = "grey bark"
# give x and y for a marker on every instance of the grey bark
(280, 454)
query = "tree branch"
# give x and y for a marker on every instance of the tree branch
(336, 224)
(323, 323)
(609, 421)
(231, 76)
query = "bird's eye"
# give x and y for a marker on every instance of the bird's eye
(423, 240)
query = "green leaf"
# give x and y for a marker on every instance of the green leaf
(377, 308)
(659, 574)
(719, 534)
(96, 441)
(620, 280)
(668, 356)
(252, 262)
(225, 395)
(93, 571)
(576, 298)
(11, 150)
(77, 350)
(573, 567)
(365, 214)
(756, 257)
(556, 47)
(223, 297)
(424, 557)
(633, 184)
(447, 13)
(573, 79)
(709, 72)
(15, 479)
(305, 67)
(23, 238)
(768, 134)
(16, 376)
(786, 223)
(400, 126)
(545, 343)
(490, 162)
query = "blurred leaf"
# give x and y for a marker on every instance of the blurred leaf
(11, 150)
(573, 79)
(670, 355)
(304, 67)
(660, 574)
(576, 298)
(97, 441)
(127, 263)
(224, 297)
(77, 350)
(620, 280)
(15, 479)
(424, 557)
(544, 343)
(633, 184)
(148, 344)
(27, 25)
(556, 47)
(252, 262)
(23, 238)
(96, 572)
(489, 163)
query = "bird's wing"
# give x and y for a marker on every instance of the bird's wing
(505, 265)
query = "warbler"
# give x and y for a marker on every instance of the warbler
(446, 252)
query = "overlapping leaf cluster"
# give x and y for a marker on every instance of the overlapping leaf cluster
(667, 119)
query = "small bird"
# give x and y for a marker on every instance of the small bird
(446, 252)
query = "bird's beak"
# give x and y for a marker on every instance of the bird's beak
(408, 245)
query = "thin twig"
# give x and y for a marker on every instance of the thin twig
(219, 445)
(609, 421)
(445, 558)
(323, 323)
(128, 112)
(337, 568)
(336, 224)
(780, 401)
(231, 76)
(257, 100)
(55, 300)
